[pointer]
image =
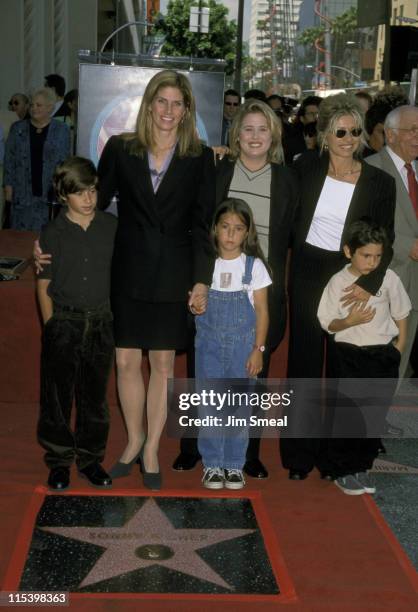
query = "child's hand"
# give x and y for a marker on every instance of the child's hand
(399, 346)
(359, 313)
(198, 299)
(254, 363)
(199, 305)
(41, 259)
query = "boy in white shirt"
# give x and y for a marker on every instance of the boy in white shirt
(369, 339)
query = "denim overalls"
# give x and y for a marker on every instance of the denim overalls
(225, 336)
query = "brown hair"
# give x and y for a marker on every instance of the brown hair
(142, 139)
(251, 245)
(73, 175)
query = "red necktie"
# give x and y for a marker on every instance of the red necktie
(412, 187)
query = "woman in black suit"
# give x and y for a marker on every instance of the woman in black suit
(163, 259)
(337, 188)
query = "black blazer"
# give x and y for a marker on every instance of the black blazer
(284, 199)
(162, 246)
(374, 197)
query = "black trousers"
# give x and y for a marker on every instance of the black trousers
(311, 269)
(189, 445)
(350, 455)
(77, 356)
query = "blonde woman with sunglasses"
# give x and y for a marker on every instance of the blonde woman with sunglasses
(337, 188)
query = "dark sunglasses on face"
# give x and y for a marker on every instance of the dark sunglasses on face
(13, 102)
(231, 103)
(341, 132)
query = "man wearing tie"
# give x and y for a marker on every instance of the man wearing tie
(397, 158)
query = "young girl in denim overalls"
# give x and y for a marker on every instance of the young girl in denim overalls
(231, 334)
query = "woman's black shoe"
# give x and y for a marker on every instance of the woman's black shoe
(185, 461)
(120, 469)
(297, 475)
(151, 480)
(327, 476)
(255, 469)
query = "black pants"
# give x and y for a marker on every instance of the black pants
(311, 269)
(350, 455)
(77, 355)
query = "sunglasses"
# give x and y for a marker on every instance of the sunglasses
(341, 132)
(13, 102)
(231, 103)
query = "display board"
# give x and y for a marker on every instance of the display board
(110, 97)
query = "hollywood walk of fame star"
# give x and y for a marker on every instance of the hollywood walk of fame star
(147, 539)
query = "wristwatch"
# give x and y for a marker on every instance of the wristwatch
(260, 347)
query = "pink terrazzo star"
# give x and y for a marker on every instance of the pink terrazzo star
(149, 527)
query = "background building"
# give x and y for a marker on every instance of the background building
(284, 15)
(402, 11)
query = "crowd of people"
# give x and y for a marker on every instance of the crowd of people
(197, 260)
(43, 136)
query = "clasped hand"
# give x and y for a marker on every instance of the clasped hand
(355, 295)
(198, 299)
(359, 313)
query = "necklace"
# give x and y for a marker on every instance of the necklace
(39, 129)
(343, 174)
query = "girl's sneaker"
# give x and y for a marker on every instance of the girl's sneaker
(213, 478)
(234, 479)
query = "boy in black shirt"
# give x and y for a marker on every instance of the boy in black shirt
(77, 344)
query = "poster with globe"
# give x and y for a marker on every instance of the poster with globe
(110, 97)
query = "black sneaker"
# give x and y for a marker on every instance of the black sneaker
(213, 478)
(234, 479)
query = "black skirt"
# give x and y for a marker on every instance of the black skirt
(150, 325)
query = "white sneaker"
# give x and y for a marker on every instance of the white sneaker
(364, 479)
(213, 478)
(349, 485)
(234, 479)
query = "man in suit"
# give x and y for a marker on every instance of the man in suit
(57, 83)
(397, 158)
(232, 101)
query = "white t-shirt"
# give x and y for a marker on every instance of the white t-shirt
(228, 274)
(330, 214)
(391, 303)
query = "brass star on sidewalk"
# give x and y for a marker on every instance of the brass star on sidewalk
(147, 539)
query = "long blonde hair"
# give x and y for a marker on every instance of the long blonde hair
(275, 152)
(142, 139)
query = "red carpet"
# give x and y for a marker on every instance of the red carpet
(337, 550)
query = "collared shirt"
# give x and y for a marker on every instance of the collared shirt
(80, 265)
(400, 166)
(158, 175)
